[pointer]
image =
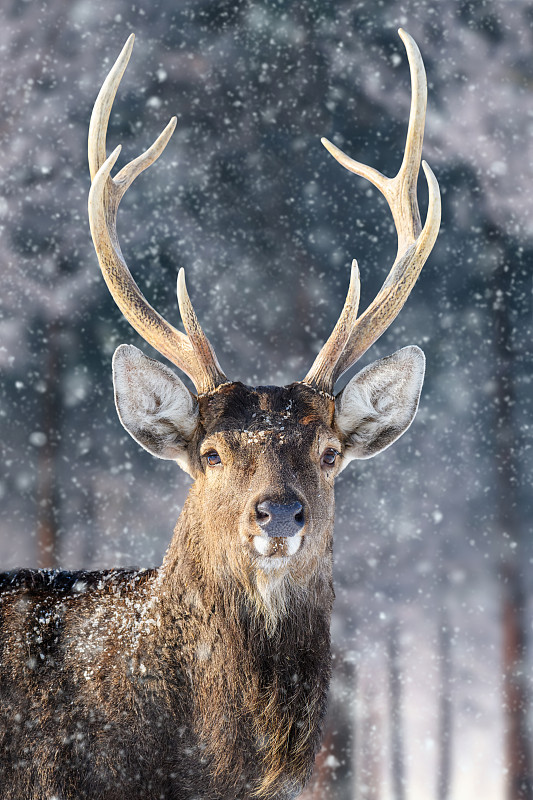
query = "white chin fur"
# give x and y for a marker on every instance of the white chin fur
(277, 547)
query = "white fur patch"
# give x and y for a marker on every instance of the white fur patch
(293, 545)
(262, 545)
(267, 546)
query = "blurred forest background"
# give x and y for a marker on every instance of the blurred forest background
(433, 553)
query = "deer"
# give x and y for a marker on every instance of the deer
(207, 677)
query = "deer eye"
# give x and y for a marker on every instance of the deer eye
(329, 457)
(213, 459)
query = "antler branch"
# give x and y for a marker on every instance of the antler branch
(192, 353)
(414, 244)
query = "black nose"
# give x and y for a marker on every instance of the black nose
(280, 519)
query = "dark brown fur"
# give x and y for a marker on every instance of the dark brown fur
(205, 678)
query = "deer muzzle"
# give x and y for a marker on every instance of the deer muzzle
(280, 527)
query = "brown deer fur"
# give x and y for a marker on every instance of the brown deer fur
(206, 678)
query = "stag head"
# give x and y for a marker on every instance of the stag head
(264, 459)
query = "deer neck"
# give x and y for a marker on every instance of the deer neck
(200, 573)
(239, 656)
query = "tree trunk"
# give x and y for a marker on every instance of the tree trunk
(445, 704)
(369, 750)
(351, 755)
(395, 706)
(514, 599)
(516, 690)
(47, 493)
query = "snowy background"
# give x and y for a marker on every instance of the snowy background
(433, 544)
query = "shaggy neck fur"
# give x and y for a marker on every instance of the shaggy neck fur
(259, 668)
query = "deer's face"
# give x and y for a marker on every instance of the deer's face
(264, 460)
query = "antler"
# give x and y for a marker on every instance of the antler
(351, 337)
(192, 353)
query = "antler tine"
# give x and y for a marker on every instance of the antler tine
(414, 244)
(193, 354)
(199, 341)
(324, 365)
(102, 108)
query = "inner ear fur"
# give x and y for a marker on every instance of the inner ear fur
(380, 402)
(153, 404)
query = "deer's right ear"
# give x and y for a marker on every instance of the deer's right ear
(154, 406)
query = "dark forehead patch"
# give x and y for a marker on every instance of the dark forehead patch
(237, 407)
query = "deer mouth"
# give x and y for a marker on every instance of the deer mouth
(277, 546)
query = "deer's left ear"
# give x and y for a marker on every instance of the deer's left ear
(379, 403)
